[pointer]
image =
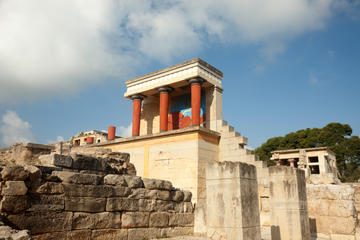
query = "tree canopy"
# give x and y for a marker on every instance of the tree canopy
(336, 136)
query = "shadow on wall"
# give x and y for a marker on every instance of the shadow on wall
(313, 229)
(275, 233)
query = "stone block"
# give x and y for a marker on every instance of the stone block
(115, 179)
(187, 196)
(134, 219)
(181, 220)
(78, 178)
(56, 160)
(14, 188)
(84, 162)
(82, 220)
(34, 172)
(133, 181)
(95, 190)
(163, 195)
(159, 219)
(330, 192)
(14, 204)
(47, 188)
(42, 222)
(142, 193)
(179, 231)
(145, 233)
(335, 225)
(78, 234)
(50, 236)
(342, 237)
(325, 207)
(85, 204)
(107, 220)
(43, 202)
(177, 196)
(14, 173)
(110, 234)
(122, 204)
(157, 184)
(265, 207)
(163, 206)
(147, 205)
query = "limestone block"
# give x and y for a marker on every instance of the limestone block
(114, 179)
(181, 220)
(325, 207)
(159, 219)
(34, 172)
(14, 188)
(47, 188)
(342, 237)
(95, 190)
(41, 202)
(330, 192)
(110, 234)
(122, 204)
(14, 204)
(335, 225)
(187, 196)
(147, 205)
(51, 236)
(145, 233)
(107, 220)
(85, 204)
(82, 220)
(179, 231)
(56, 160)
(7, 232)
(78, 234)
(85, 162)
(78, 178)
(42, 222)
(263, 191)
(265, 207)
(14, 173)
(157, 184)
(142, 193)
(135, 219)
(163, 206)
(177, 196)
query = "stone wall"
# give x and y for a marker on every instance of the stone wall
(332, 211)
(83, 197)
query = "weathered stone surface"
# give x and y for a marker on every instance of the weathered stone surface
(145, 233)
(159, 219)
(14, 204)
(178, 231)
(163, 206)
(8, 233)
(14, 173)
(114, 179)
(122, 204)
(56, 160)
(85, 204)
(79, 235)
(78, 178)
(157, 184)
(34, 172)
(177, 196)
(181, 220)
(42, 222)
(47, 188)
(41, 202)
(142, 193)
(147, 205)
(14, 188)
(110, 234)
(184, 207)
(82, 220)
(187, 196)
(335, 225)
(95, 190)
(339, 208)
(83, 162)
(330, 192)
(51, 236)
(133, 181)
(134, 219)
(107, 220)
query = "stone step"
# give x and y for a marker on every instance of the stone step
(227, 128)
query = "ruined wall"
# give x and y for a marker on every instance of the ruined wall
(83, 197)
(332, 211)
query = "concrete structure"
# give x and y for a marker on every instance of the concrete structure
(319, 160)
(288, 204)
(232, 193)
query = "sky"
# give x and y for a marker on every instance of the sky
(287, 64)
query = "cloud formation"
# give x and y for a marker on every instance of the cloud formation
(124, 131)
(55, 47)
(13, 129)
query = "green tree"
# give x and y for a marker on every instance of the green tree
(336, 136)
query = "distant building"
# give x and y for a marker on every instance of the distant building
(89, 137)
(319, 160)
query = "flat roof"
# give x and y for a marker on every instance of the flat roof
(306, 149)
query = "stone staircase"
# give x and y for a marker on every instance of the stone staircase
(232, 148)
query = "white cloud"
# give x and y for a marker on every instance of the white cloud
(13, 129)
(313, 80)
(124, 131)
(56, 47)
(60, 139)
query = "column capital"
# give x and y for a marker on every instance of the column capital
(164, 89)
(196, 81)
(137, 97)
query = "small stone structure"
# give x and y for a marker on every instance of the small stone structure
(232, 200)
(83, 197)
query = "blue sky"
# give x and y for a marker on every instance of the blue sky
(287, 66)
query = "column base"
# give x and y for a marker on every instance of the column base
(163, 131)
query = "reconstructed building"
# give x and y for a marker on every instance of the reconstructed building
(319, 160)
(93, 136)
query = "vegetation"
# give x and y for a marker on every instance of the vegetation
(336, 136)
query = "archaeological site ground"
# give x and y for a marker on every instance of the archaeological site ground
(185, 173)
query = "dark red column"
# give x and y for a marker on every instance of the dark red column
(136, 115)
(164, 108)
(195, 100)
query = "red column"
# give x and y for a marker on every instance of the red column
(136, 115)
(195, 100)
(164, 108)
